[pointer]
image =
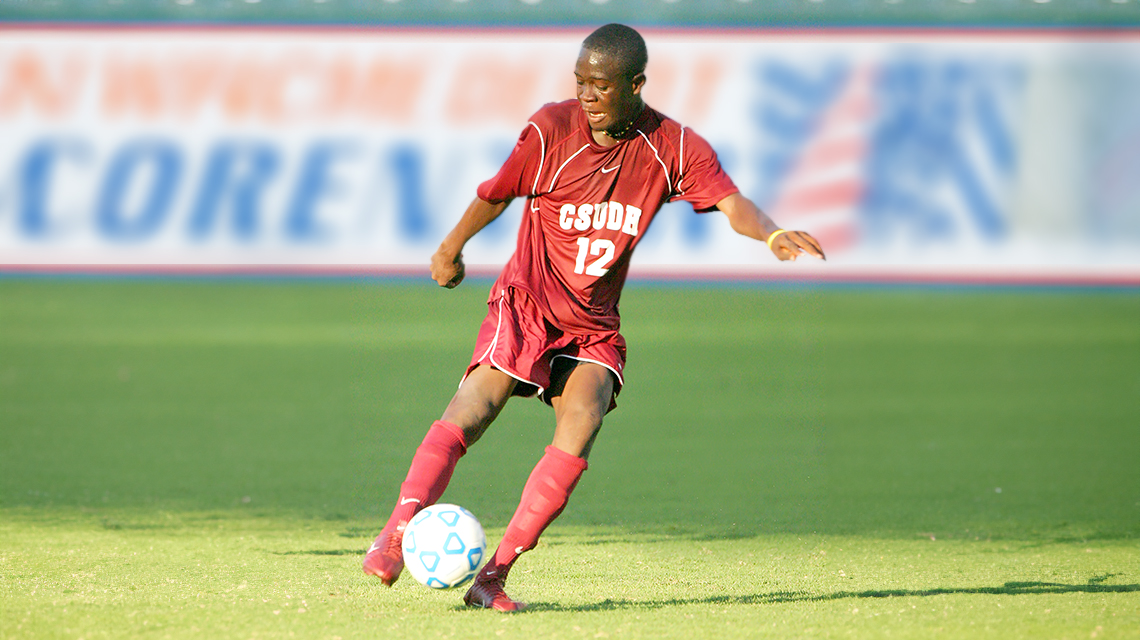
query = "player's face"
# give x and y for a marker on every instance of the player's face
(609, 98)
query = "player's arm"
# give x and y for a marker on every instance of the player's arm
(748, 220)
(447, 264)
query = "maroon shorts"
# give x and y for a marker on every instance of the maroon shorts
(517, 339)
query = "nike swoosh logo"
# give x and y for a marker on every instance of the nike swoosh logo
(605, 170)
(518, 550)
(404, 501)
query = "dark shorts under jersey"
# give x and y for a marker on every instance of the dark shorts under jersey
(516, 339)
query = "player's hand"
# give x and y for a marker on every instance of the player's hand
(447, 268)
(792, 244)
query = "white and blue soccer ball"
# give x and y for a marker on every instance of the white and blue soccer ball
(444, 546)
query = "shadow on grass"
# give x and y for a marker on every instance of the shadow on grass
(1010, 589)
(321, 552)
(117, 525)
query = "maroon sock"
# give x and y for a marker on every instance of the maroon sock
(430, 471)
(543, 499)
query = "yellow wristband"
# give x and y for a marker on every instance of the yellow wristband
(773, 236)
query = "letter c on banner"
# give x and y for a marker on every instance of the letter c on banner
(36, 172)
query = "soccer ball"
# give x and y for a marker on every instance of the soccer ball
(444, 546)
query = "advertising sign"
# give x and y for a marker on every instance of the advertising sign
(360, 149)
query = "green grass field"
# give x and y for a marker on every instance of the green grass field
(210, 458)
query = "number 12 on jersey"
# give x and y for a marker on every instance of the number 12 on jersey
(601, 246)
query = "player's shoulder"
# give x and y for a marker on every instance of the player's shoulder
(663, 130)
(666, 128)
(661, 124)
(556, 117)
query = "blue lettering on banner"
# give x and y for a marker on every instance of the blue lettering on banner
(236, 176)
(143, 187)
(129, 171)
(36, 173)
(412, 219)
(316, 182)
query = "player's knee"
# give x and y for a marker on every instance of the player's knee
(578, 427)
(472, 415)
(581, 416)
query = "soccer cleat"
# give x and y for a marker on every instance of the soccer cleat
(487, 590)
(385, 558)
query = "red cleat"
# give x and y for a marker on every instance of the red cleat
(487, 590)
(385, 558)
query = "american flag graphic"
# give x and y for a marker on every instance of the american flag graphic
(824, 184)
(900, 147)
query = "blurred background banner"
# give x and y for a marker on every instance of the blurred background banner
(1014, 155)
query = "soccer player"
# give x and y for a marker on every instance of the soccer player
(594, 172)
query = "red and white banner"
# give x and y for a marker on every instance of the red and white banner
(357, 149)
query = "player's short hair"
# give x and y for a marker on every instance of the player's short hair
(622, 43)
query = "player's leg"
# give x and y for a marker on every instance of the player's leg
(473, 408)
(478, 401)
(580, 407)
(585, 396)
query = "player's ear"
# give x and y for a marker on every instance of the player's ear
(638, 83)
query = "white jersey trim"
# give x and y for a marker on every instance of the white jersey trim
(681, 162)
(541, 158)
(668, 181)
(559, 172)
(495, 339)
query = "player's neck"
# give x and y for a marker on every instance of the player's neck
(614, 135)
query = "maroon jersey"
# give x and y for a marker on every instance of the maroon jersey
(588, 206)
